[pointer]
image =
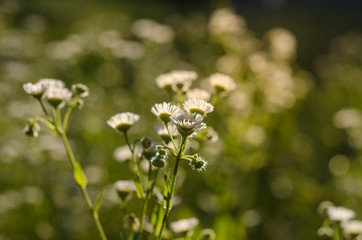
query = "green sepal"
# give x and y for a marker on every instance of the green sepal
(98, 202)
(79, 176)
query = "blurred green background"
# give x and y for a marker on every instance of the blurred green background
(290, 135)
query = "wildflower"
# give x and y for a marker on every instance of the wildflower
(184, 225)
(198, 106)
(340, 214)
(352, 228)
(163, 133)
(32, 129)
(325, 232)
(164, 111)
(80, 89)
(222, 83)
(198, 93)
(176, 80)
(124, 188)
(132, 222)
(153, 31)
(323, 207)
(123, 121)
(199, 163)
(122, 153)
(207, 234)
(36, 90)
(188, 123)
(57, 96)
(50, 82)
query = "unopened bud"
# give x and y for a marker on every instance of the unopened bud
(159, 162)
(146, 142)
(32, 129)
(132, 222)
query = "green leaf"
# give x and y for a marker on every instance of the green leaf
(79, 176)
(97, 205)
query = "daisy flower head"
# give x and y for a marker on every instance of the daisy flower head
(184, 225)
(123, 188)
(36, 90)
(50, 82)
(161, 131)
(123, 121)
(198, 93)
(352, 228)
(340, 214)
(57, 96)
(222, 83)
(176, 80)
(198, 106)
(188, 123)
(199, 164)
(164, 111)
(80, 89)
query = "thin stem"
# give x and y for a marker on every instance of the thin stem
(45, 122)
(67, 115)
(173, 183)
(173, 141)
(43, 107)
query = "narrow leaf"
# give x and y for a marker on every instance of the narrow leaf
(98, 202)
(79, 176)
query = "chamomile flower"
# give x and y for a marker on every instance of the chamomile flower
(188, 123)
(176, 80)
(36, 90)
(124, 188)
(164, 111)
(184, 225)
(222, 83)
(163, 133)
(57, 96)
(80, 89)
(50, 82)
(123, 121)
(198, 106)
(198, 93)
(340, 214)
(353, 228)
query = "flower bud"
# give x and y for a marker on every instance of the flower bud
(80, 89)
(146, 142)
(132, 222)
(159, 162)
(32, 129)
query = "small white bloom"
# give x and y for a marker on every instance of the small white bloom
(57, 96)
(35, 90)
(352, 227)
(176, 80)
(188, 123)
(164, 111)
(222, 83)
(50, 82)
(162, 131)
(184, 225)
(122, 153)
(124, 187)
(198, 93)
(80, 89)
(198, 106)
(123, 121)
(340, 214)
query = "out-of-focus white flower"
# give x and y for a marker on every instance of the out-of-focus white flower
(188, 123)
(207, 234)
(164, 111)
(198, 106)
(226, 21)
(353, 227)
(153, 31)
(163, 133)
(325, 232)
(347, 118)
(222, 83)
(340, 214)
(57, 96)
(35, 90)
(198, 93)
(184, 225)
(282, 43)
(124, 187)
(123, 121)
(127, 49)
(51, 83)
(122, 153)
(176, 80)
(80, 89)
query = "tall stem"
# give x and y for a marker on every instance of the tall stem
(173, 183)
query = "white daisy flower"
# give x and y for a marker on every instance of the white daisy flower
(222, 83)
(124, 187)
(198, 106)
(340, 214)
(57, 96)
(176, 80)
(35, 90)
(184, 225)
(198, 93)
(162, 132)
(164, 111)
(50, 82)
(80, 89)
(123, 121)
(188, 123)
(353, 227)
(122, 154)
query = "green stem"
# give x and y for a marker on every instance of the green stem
(85, 194)
(44, 109)
(173, 141)
(66, 117)
(173, 183)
